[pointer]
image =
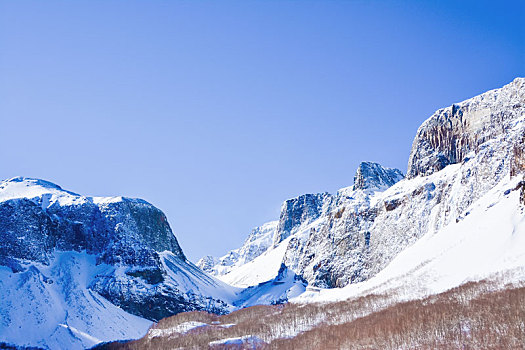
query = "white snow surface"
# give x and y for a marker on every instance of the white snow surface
(261, 269)
(191, 279)
(20, 187)
(56, 305)
(180, 328)
(281, 288)
(183, 328)
(30, 188)
(247, 339)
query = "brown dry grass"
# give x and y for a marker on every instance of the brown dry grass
(472, 316)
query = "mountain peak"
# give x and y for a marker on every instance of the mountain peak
(29, 181)
(373, 176)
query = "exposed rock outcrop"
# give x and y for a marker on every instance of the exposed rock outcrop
(449, 135)
(372, 176)
(297, 211)
(517, 165)
(118, 230)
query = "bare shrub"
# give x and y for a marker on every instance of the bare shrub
(475, 315)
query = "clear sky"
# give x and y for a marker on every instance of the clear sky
(217, 111)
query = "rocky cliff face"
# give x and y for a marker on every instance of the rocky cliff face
(311, 251)
(372, 176)
(334, 250)
(119, 230)
(297, 211)
(302, 214)
(449, 135)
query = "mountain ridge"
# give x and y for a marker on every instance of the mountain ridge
(364, 230)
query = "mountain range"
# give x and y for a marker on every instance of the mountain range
(77, 271)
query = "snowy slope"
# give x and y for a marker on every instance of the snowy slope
(279, 289)
(261, 269)
(51, 306)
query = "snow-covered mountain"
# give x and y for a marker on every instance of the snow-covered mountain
(297, 214)
(300, 217)
(337, 240)
(78, 270)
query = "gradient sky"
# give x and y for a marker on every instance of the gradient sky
(216, 112)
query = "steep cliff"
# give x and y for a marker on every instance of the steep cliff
(299, 211)
(374, 177)
(451, 133)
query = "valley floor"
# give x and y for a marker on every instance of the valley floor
(476, 315)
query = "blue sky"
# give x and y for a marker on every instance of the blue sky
(216, 112)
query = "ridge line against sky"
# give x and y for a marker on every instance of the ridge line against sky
(218, 112)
